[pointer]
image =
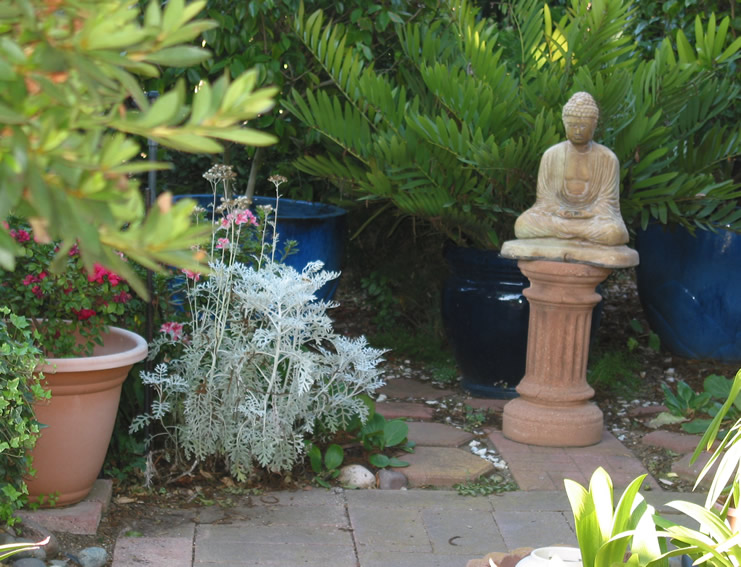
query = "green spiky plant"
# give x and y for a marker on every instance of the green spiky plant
(623, 535)
(453, 132)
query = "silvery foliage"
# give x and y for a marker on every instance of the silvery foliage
(259, 367)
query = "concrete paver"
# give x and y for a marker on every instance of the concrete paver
(443, 466)
(545, 468)
(154, 552)
(81, 518)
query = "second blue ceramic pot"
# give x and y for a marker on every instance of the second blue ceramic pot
(690, 289)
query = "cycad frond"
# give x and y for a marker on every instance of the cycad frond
(327, 44)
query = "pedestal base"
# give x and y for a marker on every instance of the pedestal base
(553, 408)
(552, 426)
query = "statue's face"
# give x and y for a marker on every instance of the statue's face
(579, 130)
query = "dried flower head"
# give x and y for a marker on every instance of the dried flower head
(219, 172)
(277, 180)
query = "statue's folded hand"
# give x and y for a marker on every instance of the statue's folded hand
(574, 213)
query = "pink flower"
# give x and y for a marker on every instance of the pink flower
(227, 220)
(29, 279)
(245, 217)
(74, 251)
(99, 273)
(174, 330)
(195, 276)
(36, 290)
(84, 314)
(223, 243)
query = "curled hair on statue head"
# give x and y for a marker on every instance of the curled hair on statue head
(581, 105)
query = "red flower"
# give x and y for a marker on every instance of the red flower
(84, 314)
(122, 297)
(20, 235)
(29, 279)
(36, 290)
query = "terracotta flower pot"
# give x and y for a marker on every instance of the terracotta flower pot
(80, 416)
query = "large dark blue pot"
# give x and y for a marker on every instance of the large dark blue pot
(485, 317)
(319, 229)
(690, 289)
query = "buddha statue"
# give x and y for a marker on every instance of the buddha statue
(578, 188)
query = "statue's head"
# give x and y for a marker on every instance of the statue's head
(580, 116)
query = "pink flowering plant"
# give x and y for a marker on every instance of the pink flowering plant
(70, 305)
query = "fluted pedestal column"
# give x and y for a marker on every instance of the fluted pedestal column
(553, 408)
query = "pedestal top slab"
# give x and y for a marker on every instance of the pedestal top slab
(570, 250)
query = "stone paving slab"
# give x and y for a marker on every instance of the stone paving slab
(688, 471)
(534, 529)
(496, 406)
(462, 532)
(81, 518)
(678, 442)
(249, 554)
(545, 468)
(413, 410)
(443, 466)
(417, 499)
(154, 552)
(404, 388)
(437, 434)
(375, 558)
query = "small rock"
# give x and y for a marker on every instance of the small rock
(6, 538)
(34, 531)
(27, 562)
(390, 479)
(39, 553)
(93, 557)
(357, 476)
(59, 563)
(382, 398)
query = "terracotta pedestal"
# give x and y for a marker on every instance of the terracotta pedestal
(553, 408)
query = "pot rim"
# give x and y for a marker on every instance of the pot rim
(128, 349)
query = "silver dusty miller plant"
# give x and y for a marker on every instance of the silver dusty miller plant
(258, 365)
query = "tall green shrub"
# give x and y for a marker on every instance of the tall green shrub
(454, 132)
(74, 115)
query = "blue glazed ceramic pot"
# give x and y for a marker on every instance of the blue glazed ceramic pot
(485, 317)
(690, 289)
(319, 229)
